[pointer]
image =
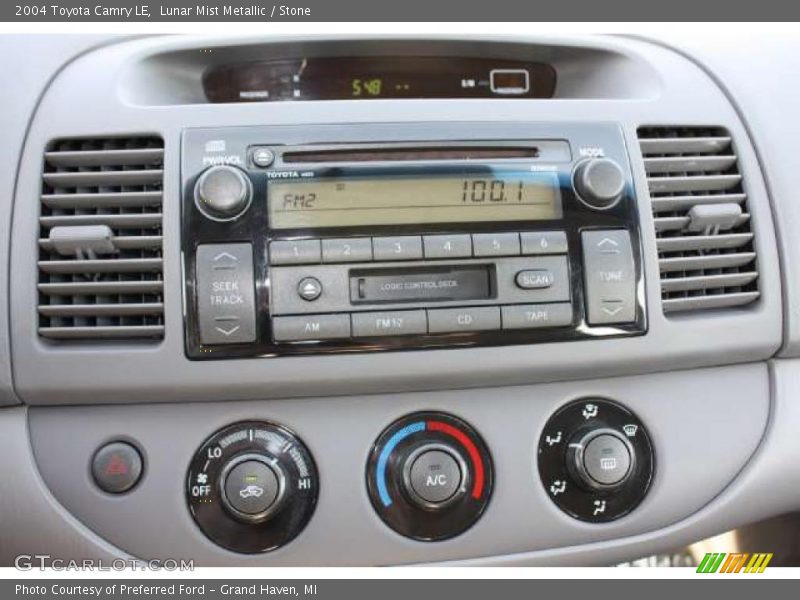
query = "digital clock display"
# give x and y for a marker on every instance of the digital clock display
(406, 200)
(378, 77)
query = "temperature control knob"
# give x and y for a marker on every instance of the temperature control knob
(252, 487)
(599, 182)
(429, 476)
(223, 192)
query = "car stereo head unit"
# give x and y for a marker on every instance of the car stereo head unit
(297, 246)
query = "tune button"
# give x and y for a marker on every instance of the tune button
(433, 475)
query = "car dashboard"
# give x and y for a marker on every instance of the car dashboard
(353, 301)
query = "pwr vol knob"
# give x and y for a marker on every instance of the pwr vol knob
(252, 487)
(429, 476)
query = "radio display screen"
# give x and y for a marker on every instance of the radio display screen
(414, 200)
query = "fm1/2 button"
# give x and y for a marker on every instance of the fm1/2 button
(433, 476)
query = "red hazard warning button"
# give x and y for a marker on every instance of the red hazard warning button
(117, 467)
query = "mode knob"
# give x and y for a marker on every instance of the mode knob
(596, 460)
(599, 182)
(223, 192)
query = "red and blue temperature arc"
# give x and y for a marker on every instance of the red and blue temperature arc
(399, 436)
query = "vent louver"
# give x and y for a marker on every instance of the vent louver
(100, 262)
(702, 222)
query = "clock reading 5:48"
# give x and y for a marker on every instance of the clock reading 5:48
(367, 87)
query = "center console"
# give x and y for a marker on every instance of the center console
(293, 248)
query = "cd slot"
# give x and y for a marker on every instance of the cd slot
(411, 154)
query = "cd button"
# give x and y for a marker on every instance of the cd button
(450, 320)
(535, 279)
(407, 247)
(399, 322)
(309, 288)
(447, 246)
(495, 244)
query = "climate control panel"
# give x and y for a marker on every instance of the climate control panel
(252, 487)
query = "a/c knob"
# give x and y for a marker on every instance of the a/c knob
(223, 192)
(599, 182)
(433, 476)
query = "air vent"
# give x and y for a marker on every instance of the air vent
(100, 263)
(705, 242)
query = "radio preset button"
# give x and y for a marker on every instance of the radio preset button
(447, 246)
(226, 312)
(347, 250)
(398, 322)
(535, 279)
(309, 288)
(295, 252)
(543, 242)
(495, 244)
(529, 316)
(311, 327)
(407, 247)
(451, 320)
